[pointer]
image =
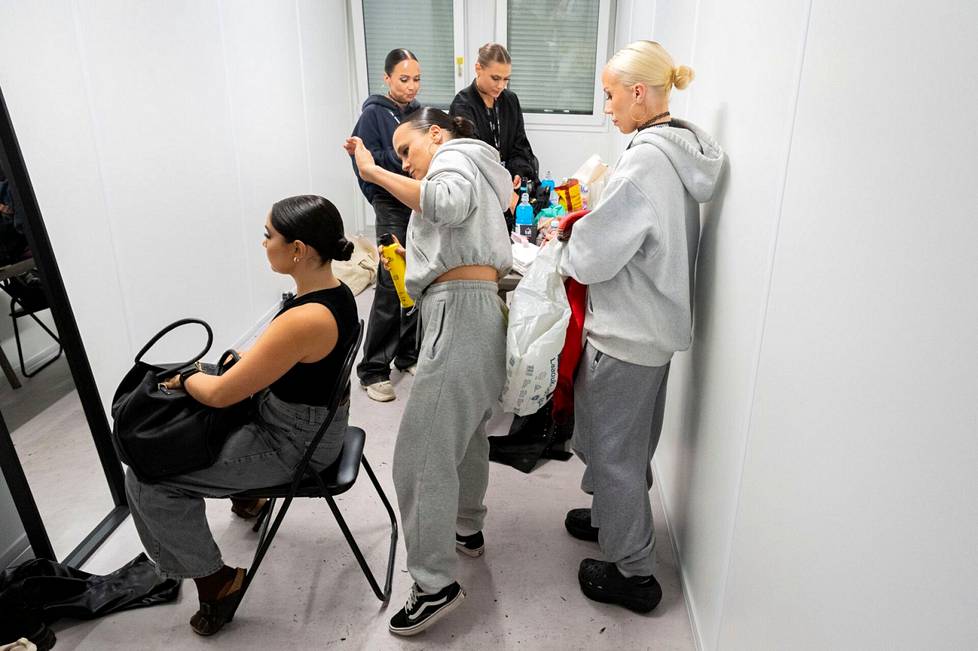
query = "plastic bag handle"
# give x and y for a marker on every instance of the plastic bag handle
(173, 326)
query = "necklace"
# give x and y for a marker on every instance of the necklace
(651, 123)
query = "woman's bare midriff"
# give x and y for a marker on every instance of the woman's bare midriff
(469, 272)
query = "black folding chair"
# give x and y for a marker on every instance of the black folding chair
(26, 299)
(334, 480)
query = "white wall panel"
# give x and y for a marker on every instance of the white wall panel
(159, 101)
(267, 111)
(330, 103)
(859, 514)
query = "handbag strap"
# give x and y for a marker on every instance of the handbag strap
(173, 326)
(227, 360)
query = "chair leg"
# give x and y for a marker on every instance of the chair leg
(20, 350)
(264, 542)
(385, 594)
(393, 518)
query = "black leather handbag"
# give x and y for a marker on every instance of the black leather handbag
(160, 432)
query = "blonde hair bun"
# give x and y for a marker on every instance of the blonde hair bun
(682, 76)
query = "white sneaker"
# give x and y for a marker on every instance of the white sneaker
(382, 391)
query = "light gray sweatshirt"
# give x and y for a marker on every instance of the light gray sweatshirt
(463, 197)
(636, 250)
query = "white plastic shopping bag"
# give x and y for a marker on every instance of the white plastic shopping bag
(538, 318)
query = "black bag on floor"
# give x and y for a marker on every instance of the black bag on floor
(39, 592)
(160, 432)
(532, 438)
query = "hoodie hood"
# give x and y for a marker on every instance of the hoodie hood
(695, 155)
(386, 102)
(484, 158)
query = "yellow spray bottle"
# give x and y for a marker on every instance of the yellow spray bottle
(395, 261)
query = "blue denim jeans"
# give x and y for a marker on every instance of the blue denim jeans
(169, 515)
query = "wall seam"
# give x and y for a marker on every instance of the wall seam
(772, 254)
(235, 151)
(87, 85)
(305, 99)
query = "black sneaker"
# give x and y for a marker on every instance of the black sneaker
(422, 609)
(472, 546)
(578, 524)
(603, 582)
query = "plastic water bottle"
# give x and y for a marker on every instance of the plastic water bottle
(548, 182)
(524, 217)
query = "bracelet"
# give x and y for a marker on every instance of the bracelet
(186, 374)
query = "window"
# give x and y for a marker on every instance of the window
(560, 38)
(558, 49)
(427, 28)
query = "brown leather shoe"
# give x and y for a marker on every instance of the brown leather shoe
(247, 509)
(213, 615)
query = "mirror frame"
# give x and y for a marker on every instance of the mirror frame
(12, 161)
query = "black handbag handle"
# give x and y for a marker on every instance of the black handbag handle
(173, 326)
(225, 363)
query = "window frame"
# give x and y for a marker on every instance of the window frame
(597, 120)
(362, 75)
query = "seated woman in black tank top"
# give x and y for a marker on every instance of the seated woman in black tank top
(289, 371)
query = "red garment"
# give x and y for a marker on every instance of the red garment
(570, 354)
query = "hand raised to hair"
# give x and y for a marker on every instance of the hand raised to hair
(361, 156)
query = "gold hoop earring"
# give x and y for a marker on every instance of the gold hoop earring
(633, 118)
(295, 259)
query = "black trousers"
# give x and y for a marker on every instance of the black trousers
(391, 332)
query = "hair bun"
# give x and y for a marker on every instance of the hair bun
(344, 249)
(462, 127)
(682, 76)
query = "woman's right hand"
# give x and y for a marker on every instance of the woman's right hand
(361, 156)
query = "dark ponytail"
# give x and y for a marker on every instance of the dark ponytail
(424, 118)
(316, 222)
(396, 56)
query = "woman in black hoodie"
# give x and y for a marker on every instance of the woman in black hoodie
(391, 335)
(495, 111)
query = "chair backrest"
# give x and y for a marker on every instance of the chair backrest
(339, 389)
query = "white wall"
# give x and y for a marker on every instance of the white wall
(157, 136)
(858, 515)
(820, 440)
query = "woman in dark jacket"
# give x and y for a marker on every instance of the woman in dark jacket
(391, 333)
(496, 113)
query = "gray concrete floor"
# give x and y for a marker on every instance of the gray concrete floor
(310, 593)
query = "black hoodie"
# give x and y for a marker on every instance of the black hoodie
(379, 117)
(514, 147)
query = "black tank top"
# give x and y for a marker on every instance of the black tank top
(310, 384)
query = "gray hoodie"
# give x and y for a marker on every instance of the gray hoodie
(637, 249)
(463, 197)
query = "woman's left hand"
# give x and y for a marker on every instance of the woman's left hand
(173, 383)
(362, 156)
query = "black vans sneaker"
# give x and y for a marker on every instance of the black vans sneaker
(472, 546)
(603, 582)
(578, 524)
(423, 609)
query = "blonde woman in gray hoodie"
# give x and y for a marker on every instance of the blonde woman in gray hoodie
(457, 248)
(636, 252)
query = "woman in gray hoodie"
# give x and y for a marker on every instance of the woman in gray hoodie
(636, 252)
(457, 248)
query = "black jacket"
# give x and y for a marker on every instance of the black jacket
(514, 148)
(378, 119)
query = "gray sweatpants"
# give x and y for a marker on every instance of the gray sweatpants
(441, 459)
(169, 515)
(618, 410)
